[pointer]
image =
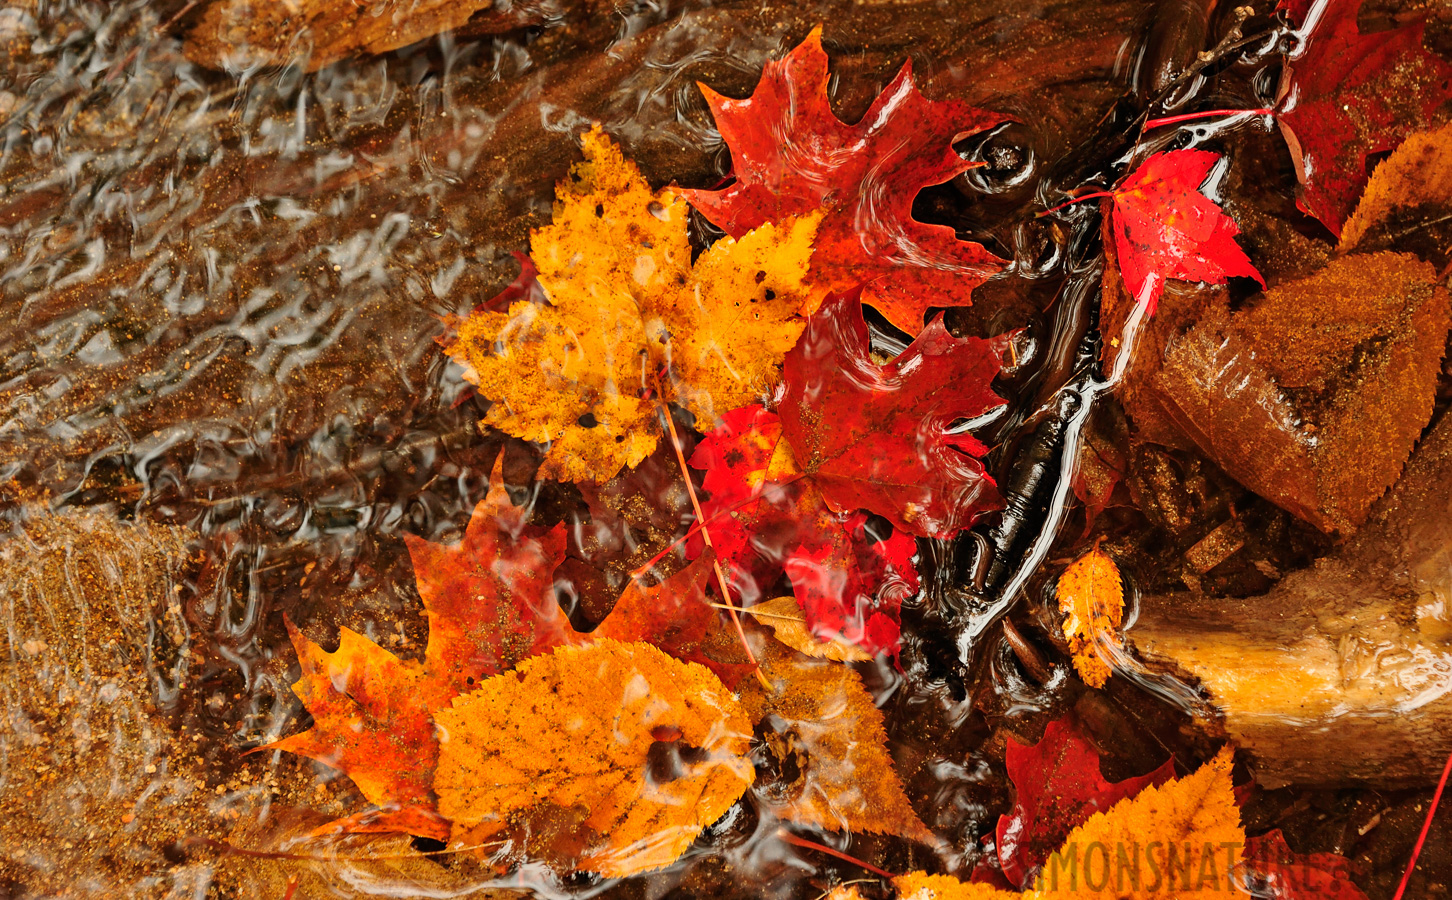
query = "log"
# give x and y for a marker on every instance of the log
(1343, 671)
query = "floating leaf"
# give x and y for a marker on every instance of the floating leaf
(1165, 228)
(1091, 597)
(625, 303)
(579, 728)
(792, 156)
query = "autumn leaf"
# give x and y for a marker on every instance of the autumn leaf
(883, 437)
(1058, 786)
(1165, 228)
(786, 619)
(579, 728)
(490, 604)
(1408, 193)
(1282, 874)
(792, 156)
(827, 731)
(1091, 597)
(1345, 95)
(766, 517)
(1181, 839)
(625, 303)
(490, 599)
(922, 886)
(373, 719)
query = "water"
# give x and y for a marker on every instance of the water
(222, 401)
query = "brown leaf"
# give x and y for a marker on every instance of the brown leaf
(1406, 201)
(579, 728)
(828, 725)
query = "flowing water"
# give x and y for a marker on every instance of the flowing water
(222, 402)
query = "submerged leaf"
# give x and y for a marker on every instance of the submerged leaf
(883, 437)
(490, 599)
(373, 719)
(1058, 787)
(1408, 194)
(1346, 95)
(766, 517)
(825, 728)
(792, 155)
(1091, 597)
(1181, 839)
(625, 304)
(785, 617)
(579, 728)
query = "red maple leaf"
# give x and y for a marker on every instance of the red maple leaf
(1059, 786)
(1165, 228)
(1345, 95)
(883, 437)
(1283, 874)
(765, 518)
(490, 599)
(792, 155)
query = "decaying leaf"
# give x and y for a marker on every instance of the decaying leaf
(1181, 839)
(1058, 786)
(767, 517)
(626, 304)
(882, 437)
(1345, 95)
(1314, 394)
(578, 728)
(792, 155)
(825, 727)
(785, 617)
(1165, 228)
(1091, 597)
(1407, 197)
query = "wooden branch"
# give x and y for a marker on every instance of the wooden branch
(1342, 672)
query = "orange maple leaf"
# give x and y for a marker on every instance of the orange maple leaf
(490, 603)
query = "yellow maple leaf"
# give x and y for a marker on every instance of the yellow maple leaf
(569, 736)
(835, 740)
(625, 303)
(1091, 597)
(1180, 839)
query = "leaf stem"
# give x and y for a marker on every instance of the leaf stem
(1426, 827)
(700, 517)
(823, 848)
(1208, 114)
(1093, 196)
